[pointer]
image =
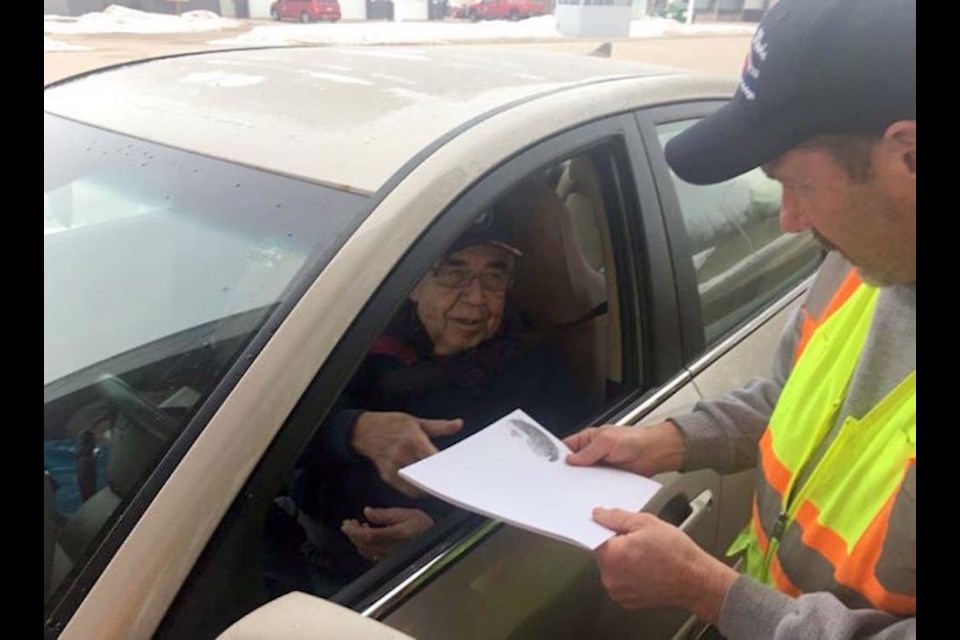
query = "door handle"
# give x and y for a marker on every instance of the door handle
(698, 506)
(682, 512)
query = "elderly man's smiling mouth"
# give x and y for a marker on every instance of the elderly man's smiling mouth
(469, 323)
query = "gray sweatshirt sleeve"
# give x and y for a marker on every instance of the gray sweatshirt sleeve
(752, 610)
(722, 434)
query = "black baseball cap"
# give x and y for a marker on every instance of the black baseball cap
(489, 227)
(814, 67)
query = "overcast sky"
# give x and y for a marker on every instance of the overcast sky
(117, 19)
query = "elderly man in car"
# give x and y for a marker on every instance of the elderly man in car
(456, 357)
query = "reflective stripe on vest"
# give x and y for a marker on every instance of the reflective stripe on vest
(809, 324)
(817, 542)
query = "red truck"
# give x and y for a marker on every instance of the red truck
(503, 9)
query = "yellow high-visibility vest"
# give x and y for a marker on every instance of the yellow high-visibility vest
(829, 533)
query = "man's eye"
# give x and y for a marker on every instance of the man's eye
(452, 275)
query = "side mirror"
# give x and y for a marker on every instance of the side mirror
(298, 616)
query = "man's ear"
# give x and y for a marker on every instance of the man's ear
(903, 133)
(414, 296)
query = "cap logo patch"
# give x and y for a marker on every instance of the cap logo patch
(751, 73)
(482, 222)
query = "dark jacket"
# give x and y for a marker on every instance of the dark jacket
(400, 373)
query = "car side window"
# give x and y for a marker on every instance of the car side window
(742, 259)
(556, 354)
(514, 314)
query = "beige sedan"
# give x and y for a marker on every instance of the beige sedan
(225, 235)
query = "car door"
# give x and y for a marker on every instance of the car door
(531, 587)
(740, 279)
(293, 8)
(501, 582)
(467, 574)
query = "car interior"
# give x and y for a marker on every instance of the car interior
(562, 285)
(105, 433)
(559, 291)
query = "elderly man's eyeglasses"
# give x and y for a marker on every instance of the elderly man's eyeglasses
(454, 277)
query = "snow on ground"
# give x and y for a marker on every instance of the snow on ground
(50, 44)
(543, 27)
(116, 19)
(539, 28)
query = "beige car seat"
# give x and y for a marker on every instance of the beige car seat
(579, 189)
(556, 287)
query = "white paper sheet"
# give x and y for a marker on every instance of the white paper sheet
(515, 470)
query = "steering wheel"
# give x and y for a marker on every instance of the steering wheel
(136, 408)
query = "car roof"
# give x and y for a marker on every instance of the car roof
(347, 117)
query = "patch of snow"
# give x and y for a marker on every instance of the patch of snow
(117, 19)
(541, 27)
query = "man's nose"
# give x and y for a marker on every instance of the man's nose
(473, 293)
(792, 219)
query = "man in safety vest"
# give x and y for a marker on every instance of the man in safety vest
(827, 107)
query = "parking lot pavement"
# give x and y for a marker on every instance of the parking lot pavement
(715, 54)
(102, 50)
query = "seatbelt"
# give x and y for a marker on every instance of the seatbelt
(599, 310)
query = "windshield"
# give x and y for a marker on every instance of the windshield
(159, 267)
(143, 242)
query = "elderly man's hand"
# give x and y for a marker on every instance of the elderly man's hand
(651, 563)
(643, 450)
(392, 440)
(387, 529)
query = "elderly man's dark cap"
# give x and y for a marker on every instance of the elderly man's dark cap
(814, 67)
(489, 227)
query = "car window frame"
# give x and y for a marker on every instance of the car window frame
(642, 228)
(697, 349)
(645, 230)
(669, 377)
(691, 321)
